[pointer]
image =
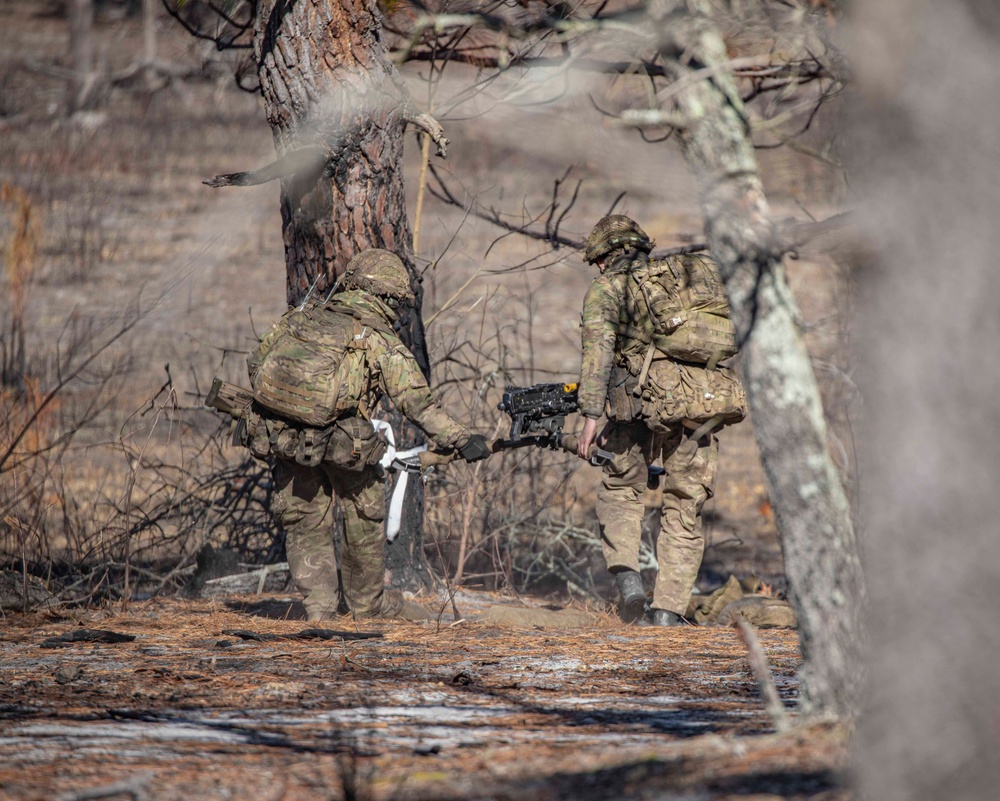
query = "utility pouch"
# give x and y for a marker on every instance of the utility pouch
(622, 405)
(280, 439)
(354, 444)
(675, 392)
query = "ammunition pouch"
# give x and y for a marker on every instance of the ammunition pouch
(674, 392)
(350, 443)
(281, 439)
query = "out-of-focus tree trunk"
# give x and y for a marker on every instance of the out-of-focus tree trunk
(926, 157)
(149, 8)
(81, 54)
(812, 513)
(328, 83)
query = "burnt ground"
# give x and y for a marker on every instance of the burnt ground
(435, 710)
(193, 708)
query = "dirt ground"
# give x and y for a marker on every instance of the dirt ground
(232, 698)
(444, 710)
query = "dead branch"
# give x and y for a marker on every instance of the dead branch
(762, 673)
(430, 126)
(255, 582)
(136, 787)
(301, 160)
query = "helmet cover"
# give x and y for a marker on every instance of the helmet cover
(615, 232)
(380, 272)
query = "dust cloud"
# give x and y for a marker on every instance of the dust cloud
(927, 155)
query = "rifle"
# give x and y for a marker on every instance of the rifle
(232, 400)
(228, 398)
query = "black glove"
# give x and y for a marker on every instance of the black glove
(475, 448)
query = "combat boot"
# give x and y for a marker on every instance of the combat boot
(633, 596)
(664, 617)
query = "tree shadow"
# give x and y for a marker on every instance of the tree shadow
(662, 778)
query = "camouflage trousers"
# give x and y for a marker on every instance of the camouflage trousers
(689, 482)
(303, 504)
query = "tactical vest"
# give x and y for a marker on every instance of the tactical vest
(310, 366)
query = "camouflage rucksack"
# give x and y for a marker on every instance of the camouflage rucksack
(684, 316)
(310, 365)
(687, 308)
(674, 392)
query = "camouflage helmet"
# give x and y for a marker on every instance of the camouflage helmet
(614, 232)
(379, 272)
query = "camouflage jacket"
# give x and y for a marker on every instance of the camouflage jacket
(386, 366)
(605, 325)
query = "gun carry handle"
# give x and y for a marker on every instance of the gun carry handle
(595, 455)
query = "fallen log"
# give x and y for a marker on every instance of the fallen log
(269, 578)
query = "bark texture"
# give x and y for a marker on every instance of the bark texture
(328, 83)
(812, 512)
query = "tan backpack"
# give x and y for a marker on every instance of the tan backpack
(310, 365)
(688, 313)
(687, 308)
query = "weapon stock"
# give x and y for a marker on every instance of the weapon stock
(228, 398)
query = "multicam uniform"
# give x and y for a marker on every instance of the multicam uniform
(304, 494)
(613, 355)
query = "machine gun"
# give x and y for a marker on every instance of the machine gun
(538, 416)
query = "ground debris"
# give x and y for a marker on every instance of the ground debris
(85, 635)
(22, 593)
(305, 634)
(407, 711)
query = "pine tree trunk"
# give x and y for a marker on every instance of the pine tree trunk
(328, 82)
(812, 513)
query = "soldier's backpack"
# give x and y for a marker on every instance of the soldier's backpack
(681, 378)
(674, 392)
(309, 367)
(688, 309)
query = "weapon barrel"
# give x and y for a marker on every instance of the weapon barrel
(568, 443)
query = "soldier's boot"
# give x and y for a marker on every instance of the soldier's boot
(633, 596)
(664, 617)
